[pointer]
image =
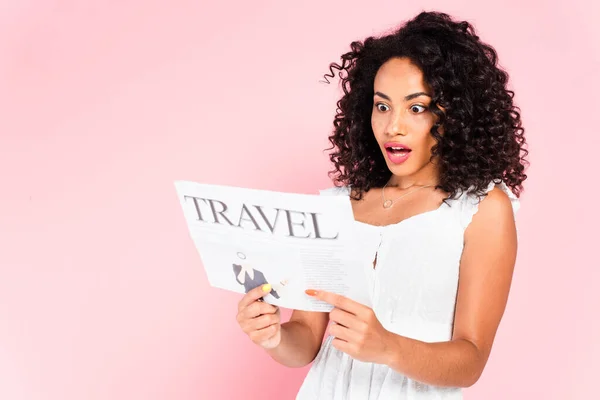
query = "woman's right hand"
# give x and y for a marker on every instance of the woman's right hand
(259, 320)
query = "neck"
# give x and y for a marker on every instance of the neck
(421, 178)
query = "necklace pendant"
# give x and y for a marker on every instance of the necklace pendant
(387, 204)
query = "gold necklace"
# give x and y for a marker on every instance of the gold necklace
(390, 203)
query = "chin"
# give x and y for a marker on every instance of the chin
(399, 170)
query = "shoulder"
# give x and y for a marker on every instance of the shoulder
(496, 211)
(496, 205)
(496, 202)
(499, 199)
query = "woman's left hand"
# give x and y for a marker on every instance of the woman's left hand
(357, 330)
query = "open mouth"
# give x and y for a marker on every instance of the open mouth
(397, 153)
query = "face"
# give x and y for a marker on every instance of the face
(401, 121)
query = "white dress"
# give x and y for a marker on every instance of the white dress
(413, 292)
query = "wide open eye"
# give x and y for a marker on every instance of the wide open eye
(418, 109)
(382, 107)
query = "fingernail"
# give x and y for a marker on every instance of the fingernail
(311, 292)
(266, 287)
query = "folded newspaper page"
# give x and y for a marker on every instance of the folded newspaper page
(248, 237)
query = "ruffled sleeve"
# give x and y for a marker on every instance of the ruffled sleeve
(470, 202)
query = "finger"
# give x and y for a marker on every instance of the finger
(264, 334)
(256, 309)
(342, 346)
(253, 295)
(336, 300)
(345, 318)
(262, 322)
(342, 333)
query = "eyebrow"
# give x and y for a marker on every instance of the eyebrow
(407, 98)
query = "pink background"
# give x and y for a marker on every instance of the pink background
(104, 105)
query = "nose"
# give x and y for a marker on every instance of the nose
(396, 124)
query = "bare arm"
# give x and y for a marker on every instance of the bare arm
(301, 338)
(486, 274)
(485, 277)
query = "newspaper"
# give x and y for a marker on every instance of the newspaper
(248, 237)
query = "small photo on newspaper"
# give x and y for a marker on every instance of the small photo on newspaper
(248, 237)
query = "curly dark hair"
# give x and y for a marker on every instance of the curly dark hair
(483, 139)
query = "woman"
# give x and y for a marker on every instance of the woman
(430, 148)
